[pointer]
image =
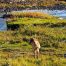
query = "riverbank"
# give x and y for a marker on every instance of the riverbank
(51, 5)
(15, 43)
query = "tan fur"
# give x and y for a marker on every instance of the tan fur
(36, 46)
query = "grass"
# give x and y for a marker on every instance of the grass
(49, 32)
(27, 21)
(52, 30)
(44, 60)
(30, 14)
(16, 50)
(14, 15)
(28, 18)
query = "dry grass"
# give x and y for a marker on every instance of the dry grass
(43, 60)
(30, 14)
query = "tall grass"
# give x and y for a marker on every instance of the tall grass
(44, 60)
(30, 14)
(39, 21)
(51, 34)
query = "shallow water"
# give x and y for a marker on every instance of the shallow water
(3, 25)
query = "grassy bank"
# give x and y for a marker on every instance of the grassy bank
(51, 33)
(28, 21)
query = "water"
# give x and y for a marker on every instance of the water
(3, 25)
(58, 13)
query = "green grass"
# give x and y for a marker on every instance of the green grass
(27, 21)
(44, 60)
(51, 34)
